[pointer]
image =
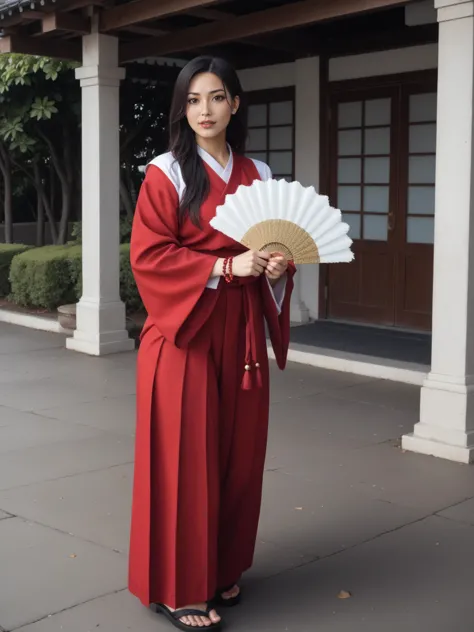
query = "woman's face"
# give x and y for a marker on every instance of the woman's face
(210, 106)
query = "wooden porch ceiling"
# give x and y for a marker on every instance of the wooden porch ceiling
(248, 32)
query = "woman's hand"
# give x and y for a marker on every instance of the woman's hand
(250, 263)
(276, 267)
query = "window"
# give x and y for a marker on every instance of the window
(271, 130)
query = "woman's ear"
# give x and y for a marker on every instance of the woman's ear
(235, 105)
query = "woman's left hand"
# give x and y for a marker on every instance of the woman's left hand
(276, 267)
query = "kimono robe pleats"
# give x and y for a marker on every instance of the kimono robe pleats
(200, 437)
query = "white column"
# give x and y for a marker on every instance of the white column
(100, 312)
(306, 292)
(446, 427)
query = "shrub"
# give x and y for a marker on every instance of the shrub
(52, 276)
(7, 252)
(41, 277)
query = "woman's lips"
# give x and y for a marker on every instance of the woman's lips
(206, 124)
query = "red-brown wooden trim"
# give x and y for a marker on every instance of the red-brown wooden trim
(59, 49)
(143, 10)
(67, 22)
(287, 16)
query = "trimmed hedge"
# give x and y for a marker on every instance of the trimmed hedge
(52, 276)
(7, 252)
(42, 277)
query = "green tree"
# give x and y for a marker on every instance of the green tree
(39, 135)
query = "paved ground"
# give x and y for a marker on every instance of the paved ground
(344, 508)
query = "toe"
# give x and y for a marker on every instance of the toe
(230, 594)
(215, 618)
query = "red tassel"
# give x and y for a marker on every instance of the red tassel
(247, 381)
(259, 378)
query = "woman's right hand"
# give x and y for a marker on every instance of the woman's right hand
(250, 263)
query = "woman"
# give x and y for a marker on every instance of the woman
(203, 378)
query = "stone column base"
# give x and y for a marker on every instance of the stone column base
(100, 329)
(446, 427)
(430, 447)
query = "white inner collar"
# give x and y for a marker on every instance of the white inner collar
(223, 172)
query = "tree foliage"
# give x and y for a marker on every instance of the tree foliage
(39, 126)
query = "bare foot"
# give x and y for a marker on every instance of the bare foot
(197, 621)
(232, 593)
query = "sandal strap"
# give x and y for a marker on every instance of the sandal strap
(187, 612)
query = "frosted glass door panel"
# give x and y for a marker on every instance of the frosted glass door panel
(421, 169)
(349, 170)
(423, 139)
(257, 116)
(375, 227)
(281, 162)
(377, 170)
(378, 112)
(281, 113)
(350, 142)
(377, 141)
(376, 199)
(421, 200)
(423, 107)
(349, 198)
(420, 230)
(350, 115)
(354, 224)
(257, 140)
(281, 138)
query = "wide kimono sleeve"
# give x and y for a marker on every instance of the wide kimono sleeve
(278, 320)
(170, 278)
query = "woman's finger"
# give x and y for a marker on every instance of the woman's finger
(272, 275)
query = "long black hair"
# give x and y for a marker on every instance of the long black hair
(183, 144)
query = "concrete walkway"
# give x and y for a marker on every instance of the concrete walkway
(344, 508)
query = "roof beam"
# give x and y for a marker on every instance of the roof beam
(210, 14)
(18, 18)
(143, 10)
(144, 30)
(288, 16)
(59, 49)
(68, 22)
(299, 45)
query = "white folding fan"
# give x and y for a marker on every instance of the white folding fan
(281, 216)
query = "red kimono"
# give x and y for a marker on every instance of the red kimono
(201, 428)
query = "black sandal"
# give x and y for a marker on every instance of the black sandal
(221, 601)
(174, 617)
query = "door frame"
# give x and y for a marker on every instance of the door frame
(329, 90)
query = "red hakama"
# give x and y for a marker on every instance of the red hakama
(201, 433)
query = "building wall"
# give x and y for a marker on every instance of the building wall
(304, 74)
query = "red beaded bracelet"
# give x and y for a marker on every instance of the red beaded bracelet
(229, 277)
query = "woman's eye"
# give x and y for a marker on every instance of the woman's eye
(192, 101)
(219, 97)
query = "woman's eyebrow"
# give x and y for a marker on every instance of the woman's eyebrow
(211, 92)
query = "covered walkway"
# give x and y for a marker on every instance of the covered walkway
(344, 508)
